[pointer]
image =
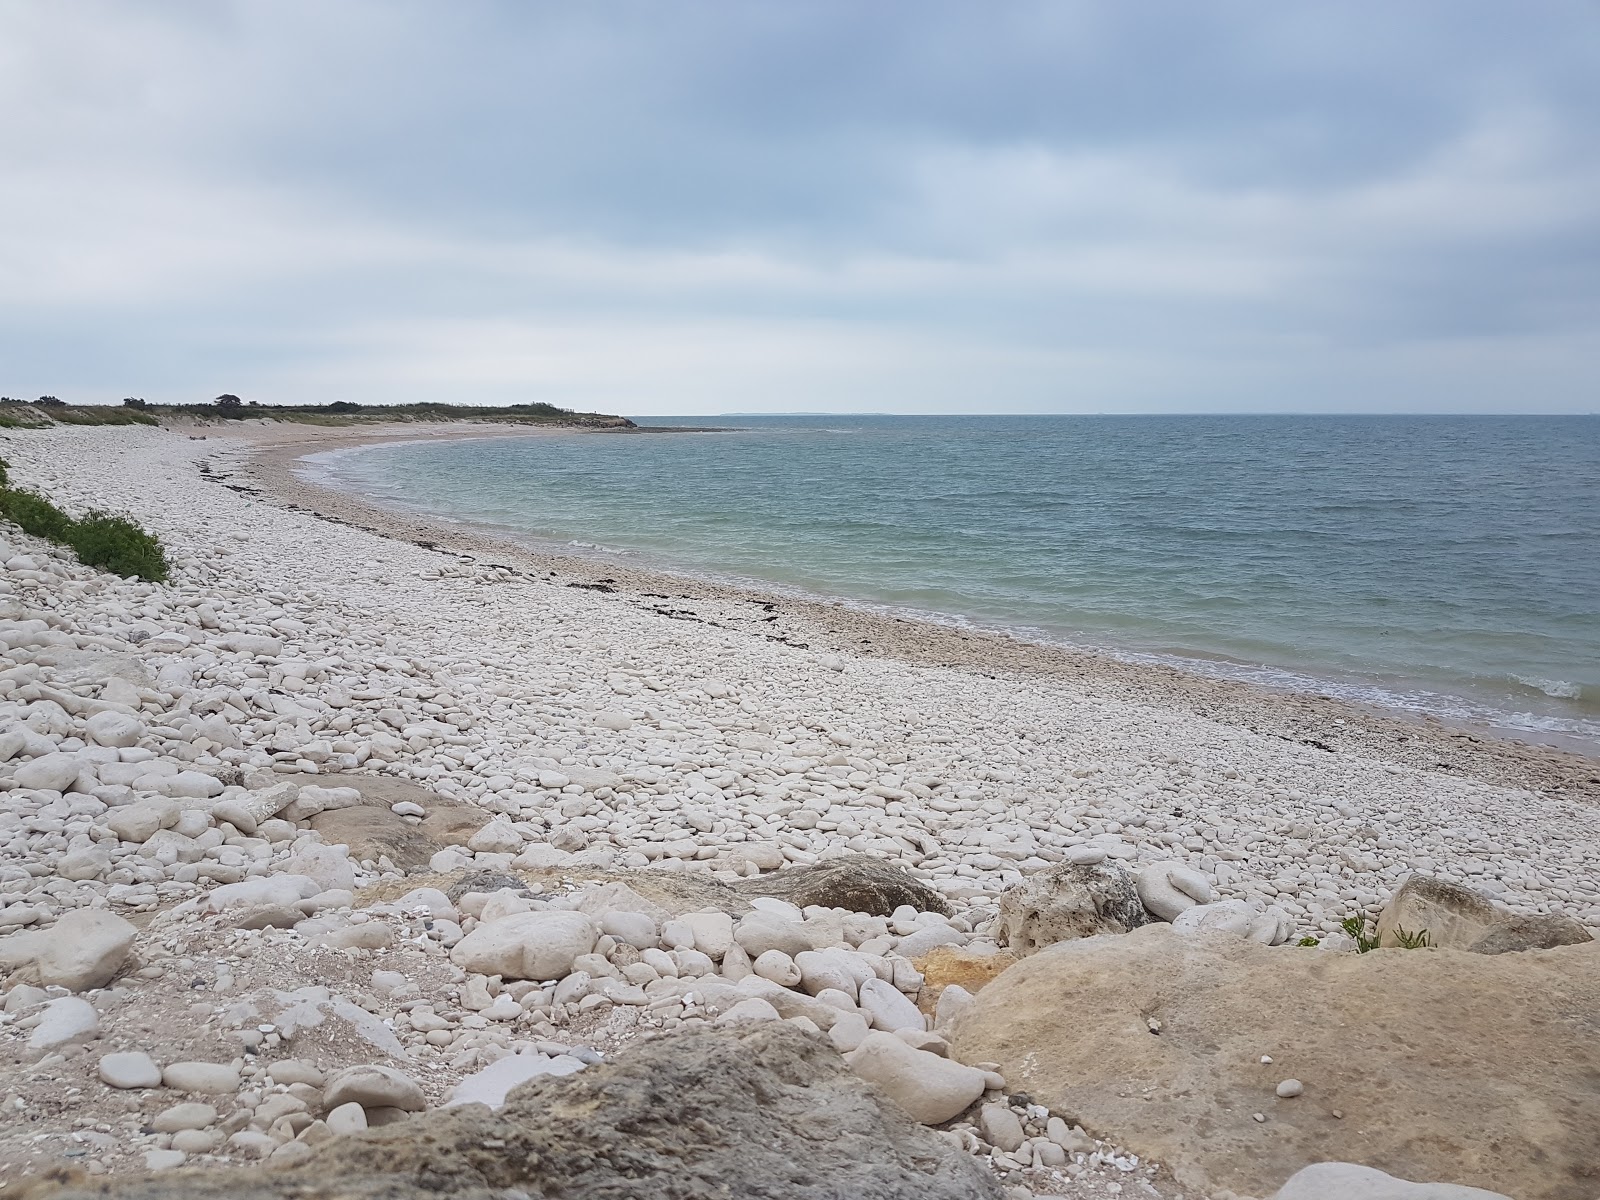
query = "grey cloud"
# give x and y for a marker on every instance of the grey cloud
(1161, 205)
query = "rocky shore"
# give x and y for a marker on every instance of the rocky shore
(368, 859)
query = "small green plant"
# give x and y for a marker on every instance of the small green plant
(35, 515)
(115, 543)
(1356, 927)
(4, 467)
(1308, 941)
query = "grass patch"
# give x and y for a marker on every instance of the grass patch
(36, 515)
(117, 544)
(103, 416)
(103, 540)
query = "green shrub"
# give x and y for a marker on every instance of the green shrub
(115, 543)
(35, 515)
(4, 467)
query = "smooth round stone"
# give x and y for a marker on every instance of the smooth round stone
(133, 1069)
(184, 1116)
(1290, 1088)
(204, 1078)
(374, 1087)
(195, 1141)
(1086, 856)
(163, 1160)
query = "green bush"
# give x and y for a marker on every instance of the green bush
(4, 467)
(115, 543)
(35, 515)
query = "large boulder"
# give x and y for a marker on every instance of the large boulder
(1442, 1065)
(1458, 918)
(1065, 902)
(854, 882)
(84, 949)
(528, 945)
(744, 1111)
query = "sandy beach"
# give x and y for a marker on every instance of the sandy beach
(310, 791)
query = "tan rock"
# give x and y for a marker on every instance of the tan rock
(1445, 1066)
(1458, 918)
(970, 967)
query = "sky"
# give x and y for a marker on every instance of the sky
(650, 208)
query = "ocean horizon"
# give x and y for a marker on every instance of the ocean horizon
(1443, 565)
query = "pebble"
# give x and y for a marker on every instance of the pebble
(1288, 1089)
(131, 1069)
(201, 1078)
(179, 1117)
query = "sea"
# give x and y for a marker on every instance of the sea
(1435, 564)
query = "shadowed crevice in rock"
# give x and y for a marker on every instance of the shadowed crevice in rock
(763, 1112)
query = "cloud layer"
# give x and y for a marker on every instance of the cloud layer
(710, 207)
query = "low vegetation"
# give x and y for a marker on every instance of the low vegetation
(115, 543)
(1356, 927)
(48, 410)
(103, 540)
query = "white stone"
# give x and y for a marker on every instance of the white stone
(778, 967)
(348, 1117)
(64, 1022)
(930, 1088)
(130, 1069)
(712, 932)
(1168, 888)
(497, 837)
(201, 1078)
(533, 945)
(51, 772)
(1000, 1126)
(138, 823)
(1347, 1181)
(190, 1115)
(111, 728)
(753, 1009)
(490, 1085)
(888, 1008)
(636, 929)
(84, 949)
(953, 1001)
(373, 1087)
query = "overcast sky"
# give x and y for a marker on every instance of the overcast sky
(659, 207)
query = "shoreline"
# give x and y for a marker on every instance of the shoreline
(1414, 740)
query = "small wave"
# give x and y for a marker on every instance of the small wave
(1559, 689)
(596, 547)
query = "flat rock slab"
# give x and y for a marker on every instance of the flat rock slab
(1442, 1065)
(761, 1113)
(371, 830)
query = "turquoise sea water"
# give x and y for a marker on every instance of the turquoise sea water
(1442, 564)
